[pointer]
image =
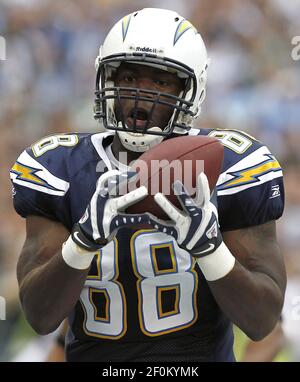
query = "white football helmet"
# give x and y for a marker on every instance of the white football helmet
(162, 39)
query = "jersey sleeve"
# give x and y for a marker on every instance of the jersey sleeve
(40, 183)
(250, 190)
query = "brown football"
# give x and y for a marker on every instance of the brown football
(180, 158)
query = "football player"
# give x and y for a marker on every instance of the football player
(170, 293)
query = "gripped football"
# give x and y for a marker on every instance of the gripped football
(180, 158)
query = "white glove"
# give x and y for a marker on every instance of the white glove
(104, 214)
(196, 228)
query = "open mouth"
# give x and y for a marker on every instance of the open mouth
(138, 118)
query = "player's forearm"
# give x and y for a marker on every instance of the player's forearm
(251, 300)
(49, 292)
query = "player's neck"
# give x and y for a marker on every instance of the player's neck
(117, 148)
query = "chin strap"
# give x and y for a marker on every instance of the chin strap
(139, 142)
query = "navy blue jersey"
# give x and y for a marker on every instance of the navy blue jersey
(145, 298)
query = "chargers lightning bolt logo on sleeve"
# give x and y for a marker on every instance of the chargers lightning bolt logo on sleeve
(27, 173)
(30, 173)
(257, 168)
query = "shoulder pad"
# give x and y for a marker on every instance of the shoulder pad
(250, 187)
(43, 166)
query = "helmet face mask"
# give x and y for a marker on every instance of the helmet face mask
(109, 97)
(120, 48)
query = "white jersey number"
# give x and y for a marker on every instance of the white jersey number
(158, 283)
(233, 140)
(110, 322)
(52, 142)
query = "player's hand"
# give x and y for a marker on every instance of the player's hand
(196, 228)
(105, 213)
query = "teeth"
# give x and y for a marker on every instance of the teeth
(155, 129)
(135, 134)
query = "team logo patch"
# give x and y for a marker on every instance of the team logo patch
(275, 192)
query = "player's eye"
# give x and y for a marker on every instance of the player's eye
(161, 83)
(128, 78)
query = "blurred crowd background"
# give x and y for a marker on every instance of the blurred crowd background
(47, 83)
